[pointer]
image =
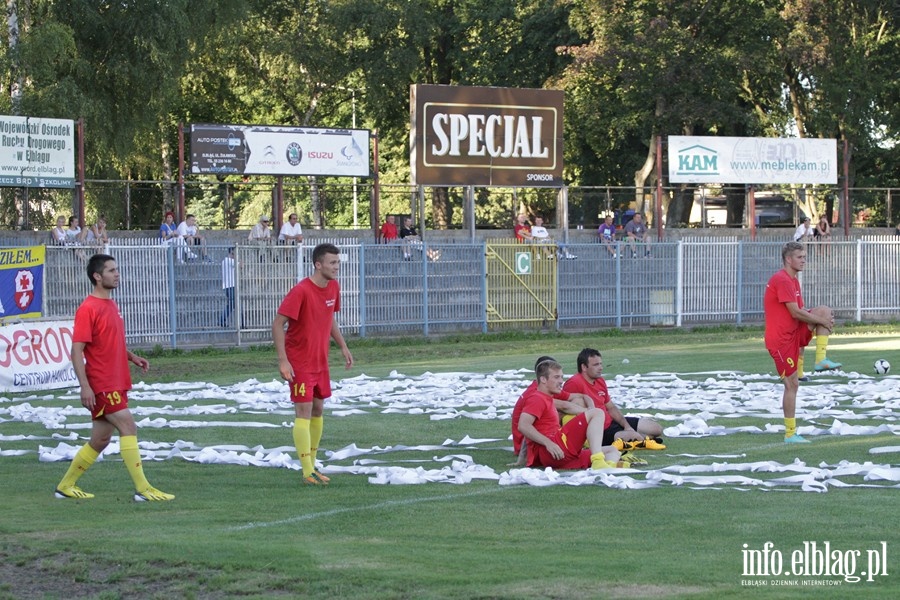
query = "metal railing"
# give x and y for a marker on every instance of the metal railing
(423, 289)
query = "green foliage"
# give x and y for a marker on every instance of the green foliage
(631, 70)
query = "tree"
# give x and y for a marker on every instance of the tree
(652, 68)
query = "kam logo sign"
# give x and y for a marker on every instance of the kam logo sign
(709, 159)
(486, 136)
(698, 161)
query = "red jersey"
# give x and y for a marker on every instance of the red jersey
(597, 392)
(389, 231)
(99, 325)
(780, 325)
(546, 420)
(310, 313)
(517, 412)
(518, 229)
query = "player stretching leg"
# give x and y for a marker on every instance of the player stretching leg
(100, 359)
(301, 330)
(789, 327)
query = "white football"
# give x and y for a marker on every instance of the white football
(882, 367)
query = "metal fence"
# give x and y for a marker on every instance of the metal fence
(424, 288)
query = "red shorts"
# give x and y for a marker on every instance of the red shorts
(307, 386)
(787, 356)
(106, 403)
(571, 439)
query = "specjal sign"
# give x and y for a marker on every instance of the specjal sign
(486, 136)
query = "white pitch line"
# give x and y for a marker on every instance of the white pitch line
(380, 505)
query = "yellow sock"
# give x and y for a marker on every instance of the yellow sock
(316, 425)
(598, 461)
(790, 427)
(82, 461)
(821, 347)
(302, 443)
(132, 457)
(800, 365)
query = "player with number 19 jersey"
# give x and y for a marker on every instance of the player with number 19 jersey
(99, 325)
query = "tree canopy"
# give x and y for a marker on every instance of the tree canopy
(632, 70)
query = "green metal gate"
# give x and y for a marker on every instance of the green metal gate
(521, 283)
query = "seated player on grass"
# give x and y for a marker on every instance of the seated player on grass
(566, 403)
(623, 432)
(548, 444)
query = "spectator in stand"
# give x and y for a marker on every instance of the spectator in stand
(74, 234)
(805, 231)
(58, 233)
(190, 233)
(261, 233)
(388, 233)
(636, 232)
(823, 230)
(168, 231)
(607, 233)
(169, 236)
(291, 232)
(540, 235)
(897, 230)
(410, 238)
(97, 234)
(522, 229)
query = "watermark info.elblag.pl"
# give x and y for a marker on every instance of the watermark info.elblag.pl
(812, 564)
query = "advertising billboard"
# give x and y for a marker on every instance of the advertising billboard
(36, 356)
(275, 150)
(37, 152)
(486, 136)
(21, 282)
(710, 159)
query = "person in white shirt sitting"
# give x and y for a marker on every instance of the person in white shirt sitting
(805, 231)
(58, 233)
(190, 233)
(291, 232)
(540, 235)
